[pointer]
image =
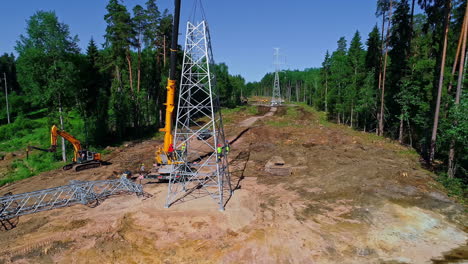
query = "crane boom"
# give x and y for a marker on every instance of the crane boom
(171, 87)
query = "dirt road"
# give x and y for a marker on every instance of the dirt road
(351, 198)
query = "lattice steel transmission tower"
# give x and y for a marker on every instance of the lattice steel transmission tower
(276, 95)
(201, 166)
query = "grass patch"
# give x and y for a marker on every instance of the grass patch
(158, 136)
(455, 187)
(408, 153)
(252, 110)
(278, 123)
(35, 164)
(229, 111)
(291, 112)
(24, 132)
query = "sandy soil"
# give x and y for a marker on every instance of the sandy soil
(352, 198)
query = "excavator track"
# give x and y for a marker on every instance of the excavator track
(68, 166)
(83, 166)
(88, 165)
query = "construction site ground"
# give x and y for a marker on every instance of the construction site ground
(348, 197)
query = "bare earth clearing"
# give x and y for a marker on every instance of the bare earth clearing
(351, 198)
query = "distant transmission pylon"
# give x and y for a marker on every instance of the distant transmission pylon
(276, 95)
(201, 167)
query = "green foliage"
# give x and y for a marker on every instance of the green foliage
(46, 66)
(23, 132)
(292, 113)
(25, 168)
(252, 110)
(456, 187)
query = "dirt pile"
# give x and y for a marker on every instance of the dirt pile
(350, 198)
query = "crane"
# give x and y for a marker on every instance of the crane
(162, 153)
(82, 159)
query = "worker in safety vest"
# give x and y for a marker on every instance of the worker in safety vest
(219, 150)
(183, 147)
(227, 148)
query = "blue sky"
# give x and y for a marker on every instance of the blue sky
(243, 32)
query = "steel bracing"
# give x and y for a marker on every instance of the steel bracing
(201, 167)
(276, 94)
(77, 192)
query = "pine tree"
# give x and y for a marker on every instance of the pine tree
(94, 97)
(119, 36)
(400, 37)
(374, 52)
(339, 79)
(325, 73)
(356, 57)
(139, 23)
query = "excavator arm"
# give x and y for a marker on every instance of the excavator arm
(82, 159)
(55, 132)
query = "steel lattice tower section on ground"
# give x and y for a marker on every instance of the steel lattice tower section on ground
(199, 169)
(276, 95)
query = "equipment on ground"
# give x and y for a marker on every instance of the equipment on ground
(77, 192)
(189, 158)
(202, 168)
(163, 158)
(82, 159)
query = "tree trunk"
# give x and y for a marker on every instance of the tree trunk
(130, 72)
(377, 125)
(382, 100)
(451, 162)
(352, 112)
(400, 136)
(164, 50)
(454, 67)
(412, 28)
(64, 152)
(409, 133)
(381, 67)
(139, 66)
(297, 92)
(441, 82)
(305, 89)
(326, 93)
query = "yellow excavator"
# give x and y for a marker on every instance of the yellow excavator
(163, 154)
(82, 159)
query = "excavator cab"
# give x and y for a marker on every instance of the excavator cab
(86, 156)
